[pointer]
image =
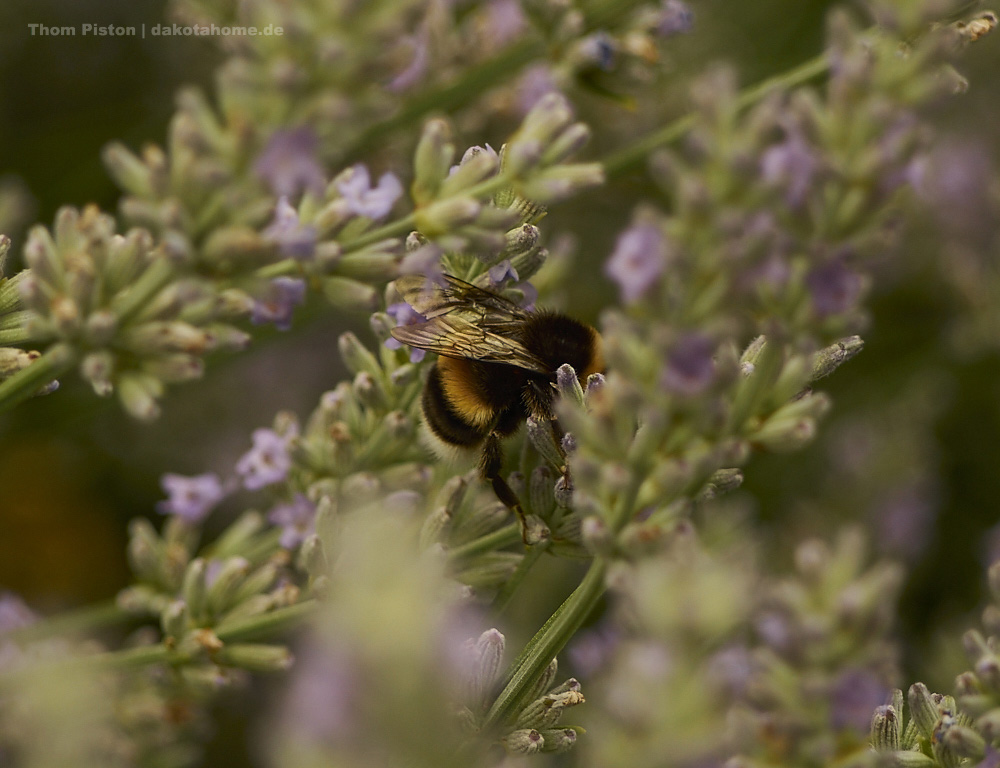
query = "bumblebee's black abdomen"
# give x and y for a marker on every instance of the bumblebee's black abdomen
(465, 400)
(443, 420)
(558, 339)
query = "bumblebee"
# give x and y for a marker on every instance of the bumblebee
(496, 367)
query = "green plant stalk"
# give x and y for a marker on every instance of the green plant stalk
(506, 594)
(547, 643)
(498, 539)
(629, 157)
(56, 361)
(564, 623)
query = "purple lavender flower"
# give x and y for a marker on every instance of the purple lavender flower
(504, 21)
(855, 695)
(363, 199)
(530, 295)
(690, 368)
(639, 258)
(991, 759)
(426, 261)
(791, 165)
(676, 18)
(417, 68)
(190, 498)
(536, 82)
(267, 462)
(501, 273)
(833, 287)
(289, 163)
(296, 518)
(283, 294)
(294, 239)
(404, 314)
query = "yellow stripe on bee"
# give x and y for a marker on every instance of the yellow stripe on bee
(462, 392)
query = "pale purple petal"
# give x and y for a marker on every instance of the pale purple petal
(289, 163)
(266, 463)
(276, 306)
(294, 239)
(638, 261)
(297, 520)
(190, 498)
(364, 200)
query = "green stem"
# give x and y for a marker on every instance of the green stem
(506, 594)
(498, 539)
(547, 643)
(627, 158)
(26, 382)
(451, 96)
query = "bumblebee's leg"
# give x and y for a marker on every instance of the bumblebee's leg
(490, 463)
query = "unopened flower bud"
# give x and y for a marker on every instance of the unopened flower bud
(350, 294)
(886, 729)
(523, 742)
(447, 215)
(255, 657)
(559, 740)
(541, 491)
(175, 619)
(541, 437)
(432, 159)
(923, 709)
(568, 384)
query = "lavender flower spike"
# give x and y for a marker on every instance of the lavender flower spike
(190, 498)
(294, 239)
(364, 200)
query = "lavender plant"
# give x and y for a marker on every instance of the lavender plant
(383, 583)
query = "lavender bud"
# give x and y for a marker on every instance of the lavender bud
(139, 393)
(447, 215)
(597, 537)
(193, 588)
(923, 709)
(540, 434)
(433, 158)
(350, 294)
(560, 182)
(827, 360)
(221, 593)
(175, 620)
(523, 742)
(965, 742)
(489, 649)
(255, 657)
(568, 384)
(544, 681)
(558, 741)
(542, 491)
(571, 141)
(885, 729)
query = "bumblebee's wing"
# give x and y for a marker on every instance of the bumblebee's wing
(459, 298)
(464, 321)
(456, 337)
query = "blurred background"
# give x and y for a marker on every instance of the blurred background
(910, 450)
